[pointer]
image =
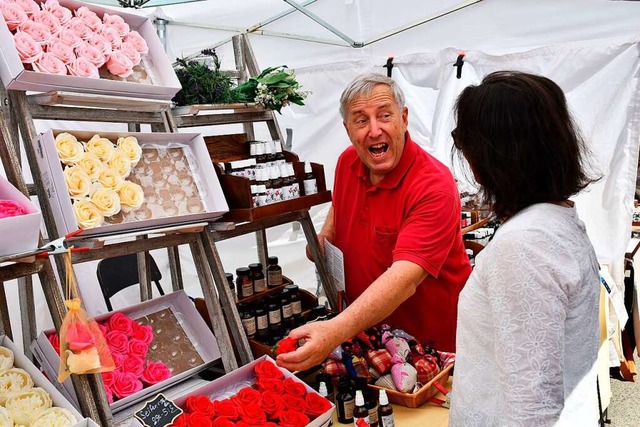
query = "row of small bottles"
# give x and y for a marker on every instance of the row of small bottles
(357, 403)
(251, 280)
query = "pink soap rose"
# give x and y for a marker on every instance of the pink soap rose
(68, 37)
(38, 31)
(112, 19)
(111, 34)
(89, 17)
(93, 54)
(29, 6)
(50, 64)
(108, 378)
(79, 337)
(119, 64)
(121, 27)
(101, 43)
(125, 385)
(47, 19)
(61, 50)
(122, 323)
(155, 372)
(63, 14)
(13, 15)
(109, 393)
(82, 67)
(134, 365)
(136, 40)
(118, 359)
(117, 342)
(142, 332)
(78, 26)
(28, 49)
(9, 208)
(138, 348)
(132, 53)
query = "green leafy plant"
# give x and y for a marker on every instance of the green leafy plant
(274, 88)
(202, 84)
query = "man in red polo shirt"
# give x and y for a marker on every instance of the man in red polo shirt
(396, 217)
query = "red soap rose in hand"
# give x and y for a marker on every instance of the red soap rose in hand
(286, 345)
(200, 404)
(316, 405)
(294, 387)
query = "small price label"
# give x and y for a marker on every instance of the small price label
(158, 412)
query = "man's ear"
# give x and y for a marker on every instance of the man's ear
(405, 117)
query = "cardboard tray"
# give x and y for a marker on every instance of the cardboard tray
(19, 233)
(165, 86)
(194, 327)
(209, 188)
(39, 380)
(414, 400)
(237, 190)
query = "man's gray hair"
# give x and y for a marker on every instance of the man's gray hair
(363, 85)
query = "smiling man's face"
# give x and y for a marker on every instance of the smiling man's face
(376, 127)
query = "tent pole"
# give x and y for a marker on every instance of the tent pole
(277, 17)
(324, 23)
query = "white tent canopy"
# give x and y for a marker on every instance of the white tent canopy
(589, 47)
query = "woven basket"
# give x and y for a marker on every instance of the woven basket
(413, 400)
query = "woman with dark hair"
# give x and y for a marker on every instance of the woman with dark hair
(527, 335)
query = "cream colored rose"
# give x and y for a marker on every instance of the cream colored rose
(25, 406)
(70, 150)
(5, 418)
(130, 146)
(120, 162)
(110, 178)
(131, 196)
(78, 182)
(101, 147)
(6, 359)
(14, 380)
(91, 164)
(106, 200)
(87, 214)
(54, 417)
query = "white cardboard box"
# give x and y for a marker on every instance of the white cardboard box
(195, 328)
(39, 380)
(19, 233)
(165, 86)
(211, 193)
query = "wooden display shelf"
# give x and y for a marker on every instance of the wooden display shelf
(253, 214)
(194, 110)
(267, 292)
(476, 225)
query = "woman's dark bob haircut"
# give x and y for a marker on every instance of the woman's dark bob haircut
(522, 145)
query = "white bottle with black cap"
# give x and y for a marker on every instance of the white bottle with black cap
(310, 184)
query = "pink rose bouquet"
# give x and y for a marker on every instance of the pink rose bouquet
(9, 208)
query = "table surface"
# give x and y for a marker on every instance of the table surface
(427, 414)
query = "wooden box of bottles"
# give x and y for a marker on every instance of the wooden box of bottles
(414, 400)
(237, 189)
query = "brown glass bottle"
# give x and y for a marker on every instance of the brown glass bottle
(385, 411)
(257, 276)
(274, 272)
(244, 284)
(360, 412)
(345, 402)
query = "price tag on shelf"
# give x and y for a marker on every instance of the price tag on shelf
(158, 412)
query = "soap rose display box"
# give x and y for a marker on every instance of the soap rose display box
(181, 339)
(153, 78)
(19, 233)
(174, 172)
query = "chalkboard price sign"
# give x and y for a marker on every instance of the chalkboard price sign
(158, 412)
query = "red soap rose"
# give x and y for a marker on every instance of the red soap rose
(248, 396)
(9, 208)
(267, 369)
(135, 365)
(155, 372)
(54, 339)
(272, 384)
(109, 377)
(294, 387)
(103, 328)
(286, 345)
(271, 425)
(137, 348)
(126, 384)
(142, 332)
(294, 403)
(109, 393)
(121, 323)
(252, 415)
(293, 419)
(117, 342)
(118, 359)
(196, 419)
(201, 404)
(226, 408)
(316, 405)
(272, 404)
(223, 422)
(181, 421)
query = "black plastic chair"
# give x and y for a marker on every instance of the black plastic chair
(118, 273)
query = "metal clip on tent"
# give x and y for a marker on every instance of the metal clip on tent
(458, 64)
(58, 246)
(389, 66)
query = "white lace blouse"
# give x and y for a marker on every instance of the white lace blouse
(527, 336)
